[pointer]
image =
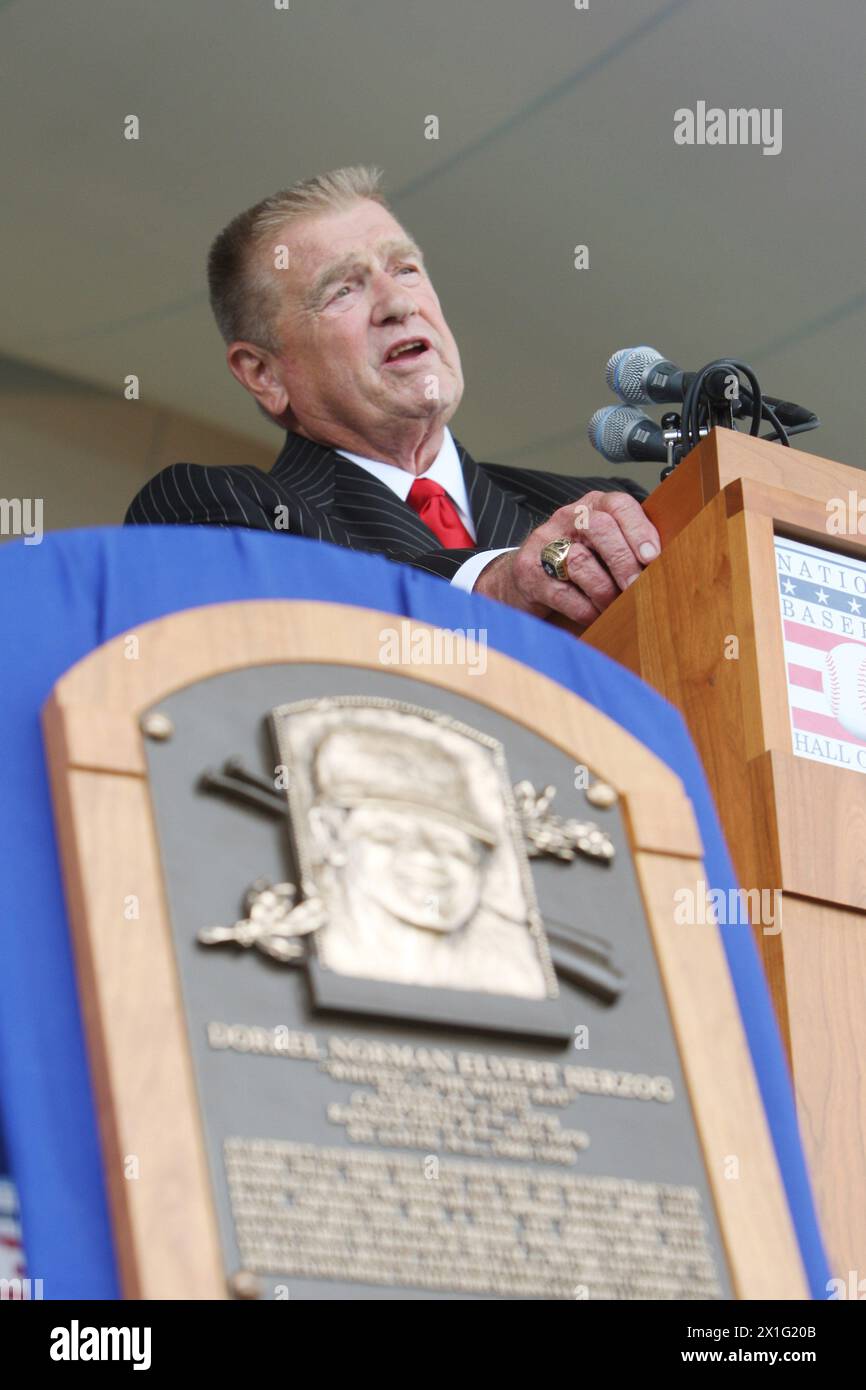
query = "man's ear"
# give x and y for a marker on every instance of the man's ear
(255, 369)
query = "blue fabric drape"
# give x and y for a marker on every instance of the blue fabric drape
(61, 599)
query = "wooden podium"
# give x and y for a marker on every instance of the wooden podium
(705, 625)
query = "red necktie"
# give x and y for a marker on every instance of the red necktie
(437, 511)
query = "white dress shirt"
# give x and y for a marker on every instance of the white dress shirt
(446, 471)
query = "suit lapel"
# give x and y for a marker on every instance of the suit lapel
(500, 519)
(307, 469)
(374, 513)
(342, 502)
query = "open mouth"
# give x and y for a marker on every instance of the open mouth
(409, 350)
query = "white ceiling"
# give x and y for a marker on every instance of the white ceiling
(556, 128)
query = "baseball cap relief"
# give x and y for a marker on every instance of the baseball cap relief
(365, 766)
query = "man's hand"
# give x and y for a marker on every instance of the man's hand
(612, 541)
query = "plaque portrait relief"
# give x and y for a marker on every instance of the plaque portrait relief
(407, 836)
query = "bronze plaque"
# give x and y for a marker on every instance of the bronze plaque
(432, 1049)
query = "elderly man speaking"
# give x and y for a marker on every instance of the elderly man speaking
(332, 324)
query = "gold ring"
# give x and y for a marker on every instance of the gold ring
(554, 557)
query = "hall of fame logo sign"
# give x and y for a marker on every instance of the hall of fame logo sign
(823, 604)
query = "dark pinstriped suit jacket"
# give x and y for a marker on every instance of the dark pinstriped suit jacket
(329, 498)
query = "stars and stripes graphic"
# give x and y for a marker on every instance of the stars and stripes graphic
(822, 597)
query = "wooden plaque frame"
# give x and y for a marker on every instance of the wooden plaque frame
(164, 1218)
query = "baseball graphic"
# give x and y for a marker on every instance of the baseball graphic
(845, 684)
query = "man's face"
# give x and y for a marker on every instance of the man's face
(420, 869)
(354, 289)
